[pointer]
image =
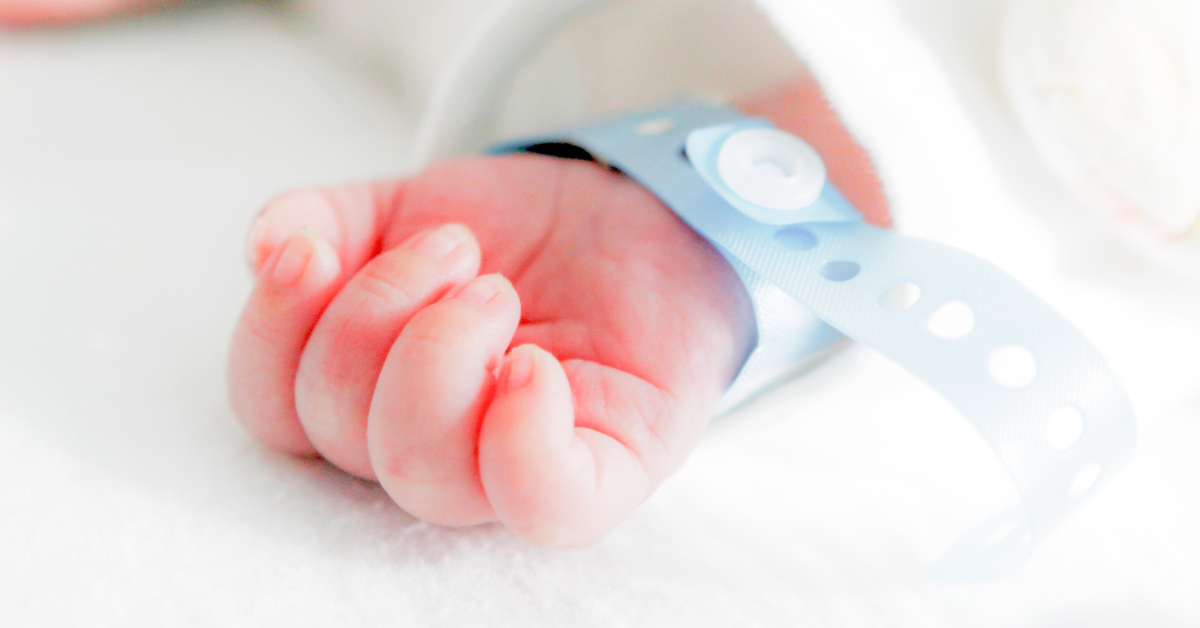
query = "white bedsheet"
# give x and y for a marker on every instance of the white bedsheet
(133, 156)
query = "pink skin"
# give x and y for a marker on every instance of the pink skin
(521, 339)
(50, 12)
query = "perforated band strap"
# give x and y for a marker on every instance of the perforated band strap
(1036, 389)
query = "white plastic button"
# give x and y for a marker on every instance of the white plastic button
(771, 168)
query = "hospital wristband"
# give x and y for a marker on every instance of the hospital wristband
(1035, 388)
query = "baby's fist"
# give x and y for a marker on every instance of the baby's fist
(554, 407)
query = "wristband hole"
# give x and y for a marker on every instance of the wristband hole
(1013, 366)
(796, 238)
(655, 127)
(953, 320)
(900, 296)
(1085, 480)
(1064, 428)
(840, 270)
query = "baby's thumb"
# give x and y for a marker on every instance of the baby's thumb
(550, 482)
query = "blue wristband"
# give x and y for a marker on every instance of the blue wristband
(1035, 388)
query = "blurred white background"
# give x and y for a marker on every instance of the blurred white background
(134, 153)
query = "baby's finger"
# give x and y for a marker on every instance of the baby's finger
(294, 286)
(347, 348)
(435, 385)
(549, 481)
(344, 226)
(351, 219)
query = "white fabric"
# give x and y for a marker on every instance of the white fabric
(1107, 92)
(132, 157)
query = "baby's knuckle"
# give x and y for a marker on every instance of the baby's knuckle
(387, 288)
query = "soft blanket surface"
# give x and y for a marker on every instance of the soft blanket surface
(132, 158)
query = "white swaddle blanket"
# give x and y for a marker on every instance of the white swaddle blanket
(133, 155)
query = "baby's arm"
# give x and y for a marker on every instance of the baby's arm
(554, 404)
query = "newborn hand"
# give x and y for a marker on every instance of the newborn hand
(522, 339)
(627, 327)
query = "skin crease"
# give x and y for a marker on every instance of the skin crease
(521, 339)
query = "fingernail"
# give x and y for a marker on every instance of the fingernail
(439, 242)
(283, 217)
(294, 259)
(480, 290)
(520, 370)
